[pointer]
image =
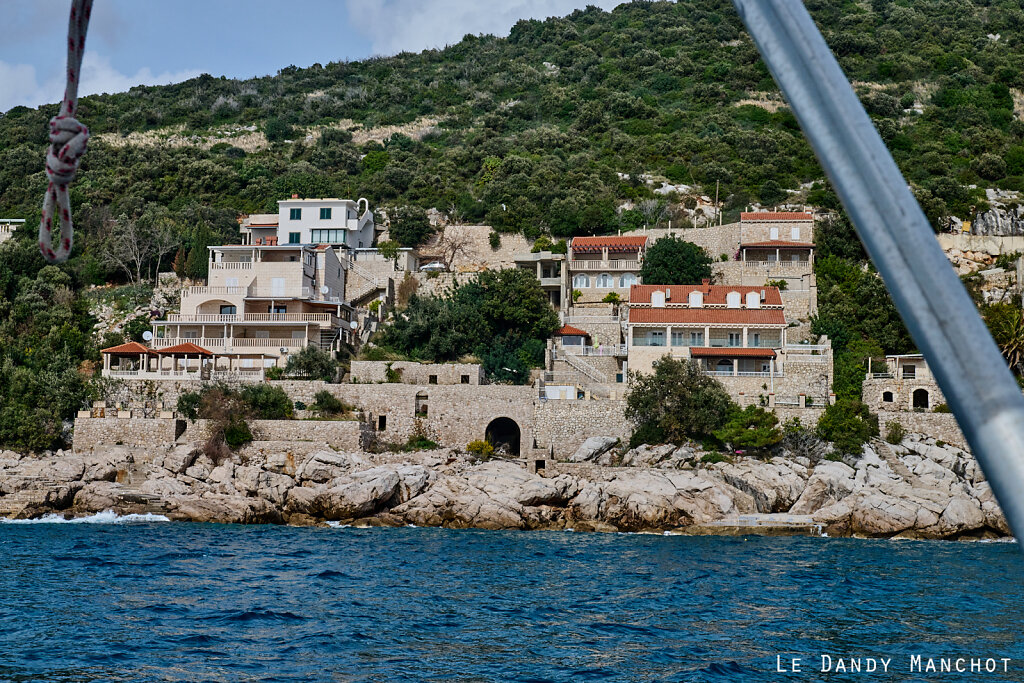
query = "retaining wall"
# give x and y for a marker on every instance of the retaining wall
(91, 432)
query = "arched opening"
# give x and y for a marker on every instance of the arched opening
(503, 433)
(921, 398)
(887, 397)
(724, 365)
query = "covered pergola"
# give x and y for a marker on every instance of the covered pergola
(132, 359)
(181, 356)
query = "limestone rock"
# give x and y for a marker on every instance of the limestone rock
(592, 448)
(830, 483)
(362, 494)
(225, 509)
(323, 466)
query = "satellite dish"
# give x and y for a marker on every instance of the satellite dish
(325, 289)
(354, 325)
(284, 350)
(147, 335)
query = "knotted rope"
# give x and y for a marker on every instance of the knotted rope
(68, 138)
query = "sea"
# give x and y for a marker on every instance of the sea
(141, 599)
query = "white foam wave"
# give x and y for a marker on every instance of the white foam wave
(105, 517)
(337, 525)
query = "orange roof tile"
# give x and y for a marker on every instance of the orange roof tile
(776, 244)
(753, 317)
(610, 242)
(729, 352)
(185, 348)
(569, 330)
(713, 294)
(775, 216)
(131, 348)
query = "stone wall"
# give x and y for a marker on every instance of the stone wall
(715, 240)
(479, 254)
(902, 391)
(90, 432)
(939, 426)
(562, 426)
(418, 373)
(344, 435)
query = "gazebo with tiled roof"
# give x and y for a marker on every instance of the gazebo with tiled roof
(137, 356)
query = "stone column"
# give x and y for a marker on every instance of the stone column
(745, 337)
(707, 335)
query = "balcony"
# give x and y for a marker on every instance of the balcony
(283, 293)
(234, 344)
(254, 318)
(231, 265)
(603, 350)
(777, 264)
(551, 282)
(633, 265)
(216, 290)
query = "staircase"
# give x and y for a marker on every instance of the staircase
(584, 368)
(328, 338)
(886, 453)
(374, 284)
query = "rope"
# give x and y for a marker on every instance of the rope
(68, 138)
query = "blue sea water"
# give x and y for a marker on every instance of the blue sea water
(193, 602)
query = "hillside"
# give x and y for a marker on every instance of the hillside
(547, 131)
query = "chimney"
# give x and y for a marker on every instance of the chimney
(294, 195)
(668, 294)
(706, 285)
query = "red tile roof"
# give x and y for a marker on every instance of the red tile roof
(776, 244)
(185, 348)
(610, 242)
(775, 216)
(129, 349)
(752, 317)
(641, 294)
(729, 352)
(569, 330)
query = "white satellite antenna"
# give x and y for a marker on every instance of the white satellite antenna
(354, 325)
(147, 335)
(325, 289)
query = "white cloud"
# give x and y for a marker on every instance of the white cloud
(394, 26)
(20, 83)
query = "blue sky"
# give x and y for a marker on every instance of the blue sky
(134, 42)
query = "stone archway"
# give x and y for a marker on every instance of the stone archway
(921, 399)
(504, 433)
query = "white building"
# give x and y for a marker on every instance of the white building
(338, 222)
(7, 227)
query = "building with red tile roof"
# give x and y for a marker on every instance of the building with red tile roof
(599, 266)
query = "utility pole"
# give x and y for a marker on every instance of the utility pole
(717, 206)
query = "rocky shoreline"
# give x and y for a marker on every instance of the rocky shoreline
(917, 489)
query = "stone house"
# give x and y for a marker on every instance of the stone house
(905, 382)
(7, 228)
(599, 266)
(551, 271)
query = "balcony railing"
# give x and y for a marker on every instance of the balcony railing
(231, 265)
(216, 289)
(603, 350)
(605, 265)
(742, 373)
(224, 344)
(253, 318)
(776, 264)
(285, 293)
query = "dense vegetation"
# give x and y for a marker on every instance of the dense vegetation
(674, 261)
(501, 317)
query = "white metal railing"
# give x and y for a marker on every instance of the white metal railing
(215, 289)
(602, 350)
(152, 374)
(742, 373)
(231, 265)
(605, 265)
(583, 319)
(776, 264)
(791, 348)
(250, 317)
(220, 343)
(285, 293)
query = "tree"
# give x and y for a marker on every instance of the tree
(454, 242)
(410, 226)
(389, 250)
(848, 424)
(676, 402)
(133, 244)
(654, 211)
(674, 261)
(312, 363)
(1006, 323)
(752, 428)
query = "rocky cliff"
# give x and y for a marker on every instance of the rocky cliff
(916, 489)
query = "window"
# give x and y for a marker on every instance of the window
(753, 300)
(293, 237)
(581, 281)
(677, 338)
(755, 339)
(795, 234)
(656, 338)
(325, 214)
(277, 286)
(921, 398)
(735, 339)
(627, 280)
(724, 365)
(696, 299)
(658, 299)
(228, 310)
(295, 214)
(231, 282)
(327, 236)
(909, 371)
(269, 362)
(465, 379)
(696, 339)
(382, 423)
(277, 309)
(432, 379)
(773, 233)
(247, 362)
(732, 300)
(887, 397)
(605, 281)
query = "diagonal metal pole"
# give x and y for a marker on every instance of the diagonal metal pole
(934, 304)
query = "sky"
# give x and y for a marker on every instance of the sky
(150, 42)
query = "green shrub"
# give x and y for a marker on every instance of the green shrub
(237, 433)
(480, 449)
(274, 373)
(266, 402)
(712, 458)
(752, 428)
(942, 408)
(188, 405)
(783, 285)
(848, 424)
(576, 294)
(494, 239)
(392, 375)
(300, 405)
(326, 403)
(312, 363)
(894, 432)
(612, 298)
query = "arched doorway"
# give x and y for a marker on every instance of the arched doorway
(921, 398)
(503, 433)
